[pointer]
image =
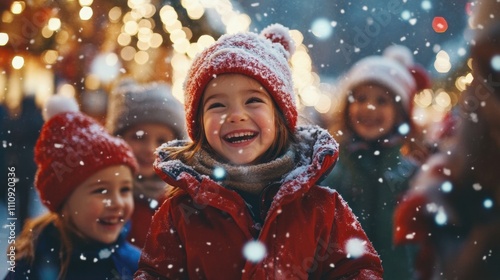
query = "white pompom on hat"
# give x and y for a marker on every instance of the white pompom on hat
(262, 57)
(59, 104)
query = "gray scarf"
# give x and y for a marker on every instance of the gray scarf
(252, 178)
(147, 188)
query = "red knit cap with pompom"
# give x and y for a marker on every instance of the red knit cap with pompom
(395, 70)
(262, 57)
(404, 56)
(71, 147)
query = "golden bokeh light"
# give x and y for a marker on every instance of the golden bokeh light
(86, 13)
(17, 62)
(17, 7)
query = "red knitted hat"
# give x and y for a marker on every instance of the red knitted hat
(262, 57)
(71, 147)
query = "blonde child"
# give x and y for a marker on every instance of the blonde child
(84, 178)
(145, 116)
(246, 203)
(374, 126)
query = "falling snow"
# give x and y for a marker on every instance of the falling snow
(105, 253)
(254, 251)
(355, 247)
(416, 18)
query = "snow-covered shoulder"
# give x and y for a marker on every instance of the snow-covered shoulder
(313, 145)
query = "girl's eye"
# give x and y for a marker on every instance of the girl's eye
(254, 100)
(361, 98)
(100, 191)
(382, 101)
(126, 189)
(214, 105)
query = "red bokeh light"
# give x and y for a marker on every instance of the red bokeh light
(469, 8)
(439, 24)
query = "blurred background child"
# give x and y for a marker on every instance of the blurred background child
(145, 116)
(452, 211)
(374, 126)
(84, 178)
(23, 130)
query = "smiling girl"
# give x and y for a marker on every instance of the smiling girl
(84, 178)
(246, 204)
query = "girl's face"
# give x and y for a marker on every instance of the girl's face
(144, 139)
(371, 111)
(99, 207)
(238, 118)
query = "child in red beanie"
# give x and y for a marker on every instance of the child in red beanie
(246, 204)
(84, 178)
(145, 116)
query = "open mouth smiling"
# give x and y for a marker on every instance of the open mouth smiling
(239, 137)
(110, 221)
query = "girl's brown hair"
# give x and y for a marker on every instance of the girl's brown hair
(27, 240)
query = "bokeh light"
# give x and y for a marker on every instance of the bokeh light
(106, 66)
(4, 38)
(426, 5)
(86, 13)
(17, 62)
(439, 24)
(442, 63)
(322, 28)
(495, 62)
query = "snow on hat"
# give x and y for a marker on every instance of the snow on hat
(71, 147)
(262, 57)
(131, 104)
(395, 70)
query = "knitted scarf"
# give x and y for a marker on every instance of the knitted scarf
(149, 188)
(248, 178)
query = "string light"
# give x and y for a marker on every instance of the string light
(17, 7)
(17, 62)
(86, 13)
(137, 38)
(4, 38)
